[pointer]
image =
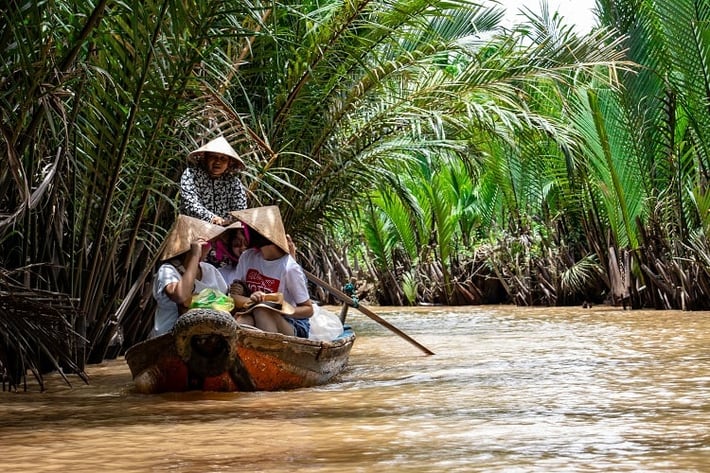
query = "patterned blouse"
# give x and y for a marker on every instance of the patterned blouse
(204, 197)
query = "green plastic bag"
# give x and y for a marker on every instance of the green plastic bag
(212, 299)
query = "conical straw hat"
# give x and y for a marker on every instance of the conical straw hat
(267, 221)
(185, 231)
(218, 146)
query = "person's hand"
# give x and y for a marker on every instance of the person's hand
(237, 288)
(241, 302)
(257, 296)
(218, 220)
(196, 247)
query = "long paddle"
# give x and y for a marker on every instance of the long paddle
(349, 301)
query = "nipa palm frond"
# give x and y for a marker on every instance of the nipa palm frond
(35, 334)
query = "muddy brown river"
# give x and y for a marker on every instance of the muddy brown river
(508, 390)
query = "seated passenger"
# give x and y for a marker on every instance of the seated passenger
(183, 271)
(267, 268)
(234, 243)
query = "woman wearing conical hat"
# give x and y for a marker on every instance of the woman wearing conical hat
(210, 186)
(267, 268)
(183, 271)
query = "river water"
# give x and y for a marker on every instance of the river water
(508, 390)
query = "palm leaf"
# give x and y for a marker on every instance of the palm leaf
(35, 329)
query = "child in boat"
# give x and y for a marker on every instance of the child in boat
(183, 272)
(235, 243)
(267, 267)
(210, 186)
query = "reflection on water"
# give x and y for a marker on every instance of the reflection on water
(509, 389)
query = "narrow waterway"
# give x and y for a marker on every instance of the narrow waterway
(509, 389)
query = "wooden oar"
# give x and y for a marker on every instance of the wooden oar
(349, 301)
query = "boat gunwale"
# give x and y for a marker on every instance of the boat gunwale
(347, 336)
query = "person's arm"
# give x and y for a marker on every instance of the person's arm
(303, 310)
(296, 281)
(239, 294)
(191, 203)
(181, 292)
(238, 289)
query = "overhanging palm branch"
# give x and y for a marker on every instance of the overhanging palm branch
(328, 119)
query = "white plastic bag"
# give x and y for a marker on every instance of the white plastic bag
(325, 325)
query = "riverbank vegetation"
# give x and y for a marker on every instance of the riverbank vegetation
(414, 145)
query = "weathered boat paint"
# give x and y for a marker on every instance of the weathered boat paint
(254, 360)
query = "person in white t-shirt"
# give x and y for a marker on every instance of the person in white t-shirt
(183, 271)
(267, 268)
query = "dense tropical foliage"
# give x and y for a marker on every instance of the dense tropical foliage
(413, 144)
(604, 198)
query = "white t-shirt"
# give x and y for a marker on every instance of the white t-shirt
(229, 273)
(167, 313)
(283, 275)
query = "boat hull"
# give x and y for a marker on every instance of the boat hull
(210, 352)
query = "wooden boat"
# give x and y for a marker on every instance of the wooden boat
(207, 350)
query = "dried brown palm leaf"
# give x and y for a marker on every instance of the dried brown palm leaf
(35, 334)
